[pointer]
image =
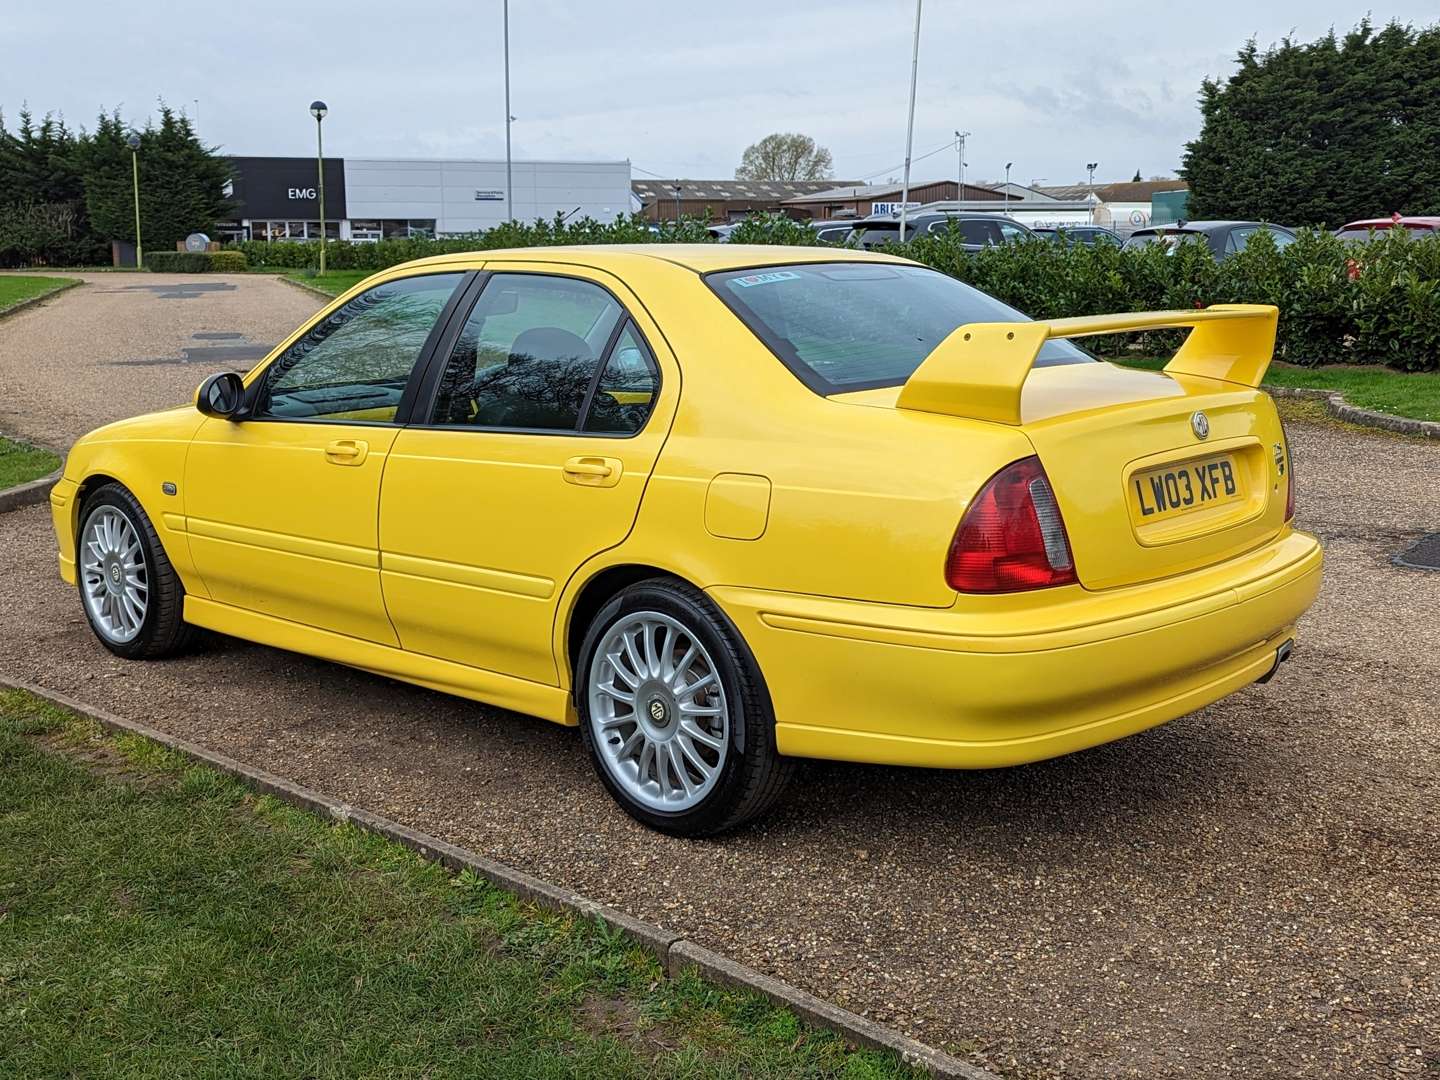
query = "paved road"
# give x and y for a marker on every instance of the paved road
(123, 344)
(1252, 891)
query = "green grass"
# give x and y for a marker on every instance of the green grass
(334, 282)
(158, 919)
(20, 463)
(15, 288)
(1399, 393)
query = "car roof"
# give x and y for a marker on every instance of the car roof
(1380, 223)
(702, 258)
(1206, 226)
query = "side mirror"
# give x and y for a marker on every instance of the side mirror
(220, 395)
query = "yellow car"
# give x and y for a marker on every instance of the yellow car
(720, 507)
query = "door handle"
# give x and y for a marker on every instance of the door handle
(346, 451)
(592, 471)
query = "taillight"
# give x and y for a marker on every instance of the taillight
(1011, 537)
(1289, 477)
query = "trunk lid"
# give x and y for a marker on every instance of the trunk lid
(1155, 473)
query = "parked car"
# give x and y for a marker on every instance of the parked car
(1079, 234)
(1359, 231)
(1224, 237)
(977, 230)
(833, 232)
(720, 506)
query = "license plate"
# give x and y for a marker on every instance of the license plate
(1171, 490)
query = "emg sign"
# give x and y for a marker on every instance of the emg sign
(303, 193)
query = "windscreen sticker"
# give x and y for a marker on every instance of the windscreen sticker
(765, 279)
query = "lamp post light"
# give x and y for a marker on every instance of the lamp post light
(675, 190)
(1007, 185)
(318, 109)
(134, 143)
(1090, 167)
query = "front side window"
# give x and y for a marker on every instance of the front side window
(1009, 231)
(353, 365)
(851, 326)
(536, 350)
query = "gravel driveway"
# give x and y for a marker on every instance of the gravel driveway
(1252, 891)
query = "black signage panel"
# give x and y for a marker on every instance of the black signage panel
(287, 188)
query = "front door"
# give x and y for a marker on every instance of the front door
(532, 456)
(281, 505)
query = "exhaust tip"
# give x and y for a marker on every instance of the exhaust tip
(1281, 655)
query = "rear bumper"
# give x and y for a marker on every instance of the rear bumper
(1000, 681)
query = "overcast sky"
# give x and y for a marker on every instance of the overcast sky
(677, 88)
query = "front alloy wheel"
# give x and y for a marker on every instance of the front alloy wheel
(675, 713)
(114, 578)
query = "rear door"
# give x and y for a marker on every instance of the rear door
(281, 505)
(531, 451)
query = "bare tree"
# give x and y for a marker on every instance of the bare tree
(784, 156)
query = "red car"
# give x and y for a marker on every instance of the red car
(1360, 230)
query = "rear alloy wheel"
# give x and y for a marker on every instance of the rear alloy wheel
(674, 713)
(132, 596)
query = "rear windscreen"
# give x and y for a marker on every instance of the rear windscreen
(853, 326)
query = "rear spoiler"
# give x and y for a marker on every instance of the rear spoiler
(980, 369)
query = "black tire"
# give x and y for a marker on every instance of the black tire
(752, 775)
(163, 631)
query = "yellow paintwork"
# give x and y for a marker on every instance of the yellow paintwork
(454, 558)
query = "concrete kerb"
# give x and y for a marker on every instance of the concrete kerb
(305, 288)
(35, 301)
(1338, 407)
(29, 493)
(675, 953)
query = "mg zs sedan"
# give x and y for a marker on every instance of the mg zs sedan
(721, 507)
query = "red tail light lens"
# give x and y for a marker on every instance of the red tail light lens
(1011, 537)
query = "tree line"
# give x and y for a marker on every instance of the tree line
(1323, 132)
(66, 194)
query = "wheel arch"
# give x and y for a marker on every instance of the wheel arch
(594, 594)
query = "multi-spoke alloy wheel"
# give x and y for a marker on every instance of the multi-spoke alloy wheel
(134, 600)
(658, 713)
(674, 711)
(114, 578)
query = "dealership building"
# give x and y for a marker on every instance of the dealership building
(278, 198)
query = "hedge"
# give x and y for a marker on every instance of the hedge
(1371, 303)
(195, 262)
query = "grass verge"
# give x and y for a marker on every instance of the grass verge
(17, 288)
(158, 919)
(20, 463)
(1399, 393)
(334, 282)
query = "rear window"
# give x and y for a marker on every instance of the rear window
(853, 326)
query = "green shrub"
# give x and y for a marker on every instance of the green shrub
(1371, 303)
(227, 262)
(177, 262)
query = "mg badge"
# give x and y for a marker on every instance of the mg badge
(657, 711)
(1200, 424)
(1279, 460)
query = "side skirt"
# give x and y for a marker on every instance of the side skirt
(505, 691)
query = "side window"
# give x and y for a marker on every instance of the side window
(973, 231)
(355, 363)
(528, 354)
(1010, 232)
(1281, 239)
(626, 390)
(1237, 240)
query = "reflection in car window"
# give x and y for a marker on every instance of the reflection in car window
(354, 364)
(846, 326)
(626, 390)
(1010, 231)
(527, 354)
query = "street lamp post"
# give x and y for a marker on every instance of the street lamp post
(910, 123)
(1007, 185)
(509, 178)
(134, 143)
(1090, 167)
(318, 109)
(960, 137)
(675, 190)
